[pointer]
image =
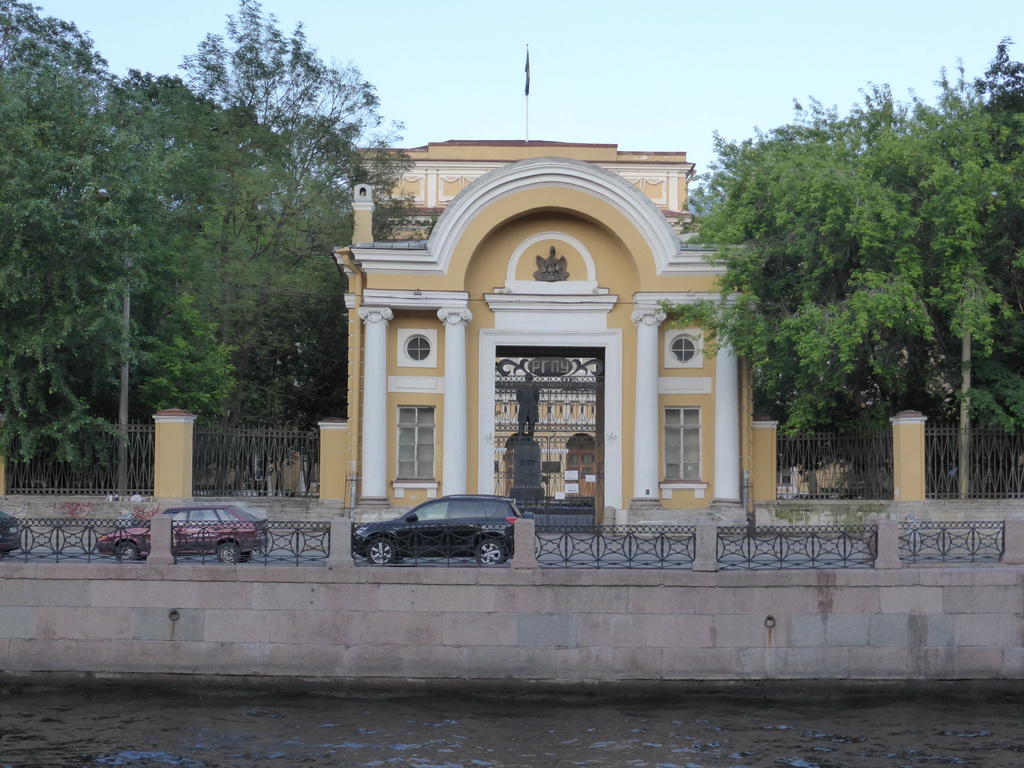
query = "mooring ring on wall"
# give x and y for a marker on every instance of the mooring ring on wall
(769, 621)
(174, 615)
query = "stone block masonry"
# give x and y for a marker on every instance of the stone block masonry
(363, 626)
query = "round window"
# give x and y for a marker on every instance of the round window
(683, 349)
(417, 348)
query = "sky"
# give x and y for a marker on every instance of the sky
(650, 75)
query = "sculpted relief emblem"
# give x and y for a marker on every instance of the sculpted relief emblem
(552, 269)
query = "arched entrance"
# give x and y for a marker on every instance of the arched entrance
(549, 431)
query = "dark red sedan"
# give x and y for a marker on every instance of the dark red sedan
(229, 533)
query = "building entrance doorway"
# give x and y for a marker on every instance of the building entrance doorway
(549, 430)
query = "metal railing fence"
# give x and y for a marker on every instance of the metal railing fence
(76, 540)
(435, 543)
(45, 474)
(951, 542)
(827, 465)
(255, 461)
(798, 546)
(994, 465)
(616, 546)
(66, 540)
(263, 542)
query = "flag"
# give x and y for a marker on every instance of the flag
(527, 71)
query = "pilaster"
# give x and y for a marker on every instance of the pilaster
(454, 438)
(765, 469)
(908, 481)
(727, 428)
(646, 468)
(173, 446)
(333, 459)
(375, 399)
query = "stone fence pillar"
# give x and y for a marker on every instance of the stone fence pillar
(525, 531)
(887, 555)
(1013, 541)
(341, 543)
(766, 458)
(173, 446)
(908, 472)
(705, 557)
(160, 541)
(333, 459)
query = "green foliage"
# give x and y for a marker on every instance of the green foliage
(188, 368)
(62, 269)
(861, 249)
(292, 124)
(212, 212)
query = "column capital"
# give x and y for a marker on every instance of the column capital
(648, 316)
(454, 315)
(375, 314)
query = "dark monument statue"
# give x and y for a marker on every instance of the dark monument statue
(528, 402)
(526, 465)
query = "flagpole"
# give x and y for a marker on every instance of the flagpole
(527, 92)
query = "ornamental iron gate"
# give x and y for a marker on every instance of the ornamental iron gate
(549, 433)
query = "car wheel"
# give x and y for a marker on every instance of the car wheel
(127, 551)
(227, 552)
(381, 551)
(490, 552)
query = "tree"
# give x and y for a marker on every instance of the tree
(61, 244)
(99, 195)
(862, 250)
(294, 125)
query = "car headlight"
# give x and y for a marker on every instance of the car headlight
(362, 529)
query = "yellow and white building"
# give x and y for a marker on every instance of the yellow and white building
(521, 350)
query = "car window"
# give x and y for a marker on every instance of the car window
(204, 516)
(460, 509)
(497, 509)
(435, 510)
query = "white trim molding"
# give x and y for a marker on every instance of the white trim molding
(588, 284)
(609, 339)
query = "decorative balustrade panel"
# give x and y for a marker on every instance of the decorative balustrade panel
(616, 546)
(951, 542)
(435, 543)
(295, 543)
(994, 466)
(45, 473)
(255, 461)
(831, 466)
(793, 547)
(67, 540)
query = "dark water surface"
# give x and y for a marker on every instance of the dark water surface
(68, 729)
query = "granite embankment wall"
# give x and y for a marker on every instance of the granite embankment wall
(344, 626)
(783, 512)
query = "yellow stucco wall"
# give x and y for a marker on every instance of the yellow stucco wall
(624, 268)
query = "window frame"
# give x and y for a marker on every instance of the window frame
(682, 429)
(696, 336)
(415, 427)
(405, 335)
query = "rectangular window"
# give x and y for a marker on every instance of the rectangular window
(416, 443)
(682, 443)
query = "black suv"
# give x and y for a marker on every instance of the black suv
(10, 540)
(451, 526)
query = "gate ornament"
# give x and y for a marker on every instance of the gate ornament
(553, 269)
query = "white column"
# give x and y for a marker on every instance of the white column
(375, 400)
(645, 423)
(453, 456)
(727, 426)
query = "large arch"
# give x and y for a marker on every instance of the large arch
(552, 172)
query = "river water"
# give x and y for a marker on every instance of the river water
(68, 729)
